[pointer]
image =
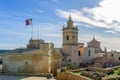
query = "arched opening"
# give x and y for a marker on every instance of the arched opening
(79, 53)
(67, 37)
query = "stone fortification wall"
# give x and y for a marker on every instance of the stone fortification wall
(66, 75)
(25, 63)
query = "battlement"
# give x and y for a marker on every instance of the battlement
(35, 43)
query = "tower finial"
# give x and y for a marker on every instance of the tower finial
(69, 16)
(70, 22)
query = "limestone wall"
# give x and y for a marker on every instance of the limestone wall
(69, 76)
(44, 60)
(76, 60)
(70, 33)
(56, 60)
(25, 63)
(100, 70)
(35, 43)
(89, 55)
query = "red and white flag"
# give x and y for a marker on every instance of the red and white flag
(28, 21)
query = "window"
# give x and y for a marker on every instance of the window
(119, 58)
(79, 53)
(74, 51)
(89, 53)
(74, 63)
(69, 60)
(67, 37)
(112, 55)
(73, 37)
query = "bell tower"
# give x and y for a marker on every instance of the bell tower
(70, 37)
(70, 33)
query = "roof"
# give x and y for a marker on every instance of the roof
(94, 41)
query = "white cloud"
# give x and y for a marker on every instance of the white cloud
(53, 35)
(110, 31)
(79, 17)
(108, 9)
(50, 32)
(85, 25)
(106, 15)
(112, 43)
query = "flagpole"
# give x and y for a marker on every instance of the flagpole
(31, 30)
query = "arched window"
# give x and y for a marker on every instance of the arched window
(67, 37)
(89, 53)
(112, 55)
(69, 60)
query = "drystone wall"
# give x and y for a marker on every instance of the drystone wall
(66, 75)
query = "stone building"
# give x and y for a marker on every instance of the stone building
(114, 56)
(93, 51)
(110, 58)
(98, 56)
(40, 57)
(70, 44)
(89, 55)
(35, 43)
(75, 53)
(95, 44)
(45, 60)
(81, 49)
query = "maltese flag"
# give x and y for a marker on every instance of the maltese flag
(28, 21)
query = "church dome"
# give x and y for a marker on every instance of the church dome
(94, 41)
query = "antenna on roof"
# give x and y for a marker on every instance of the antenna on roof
(93, 36)
(38, 34)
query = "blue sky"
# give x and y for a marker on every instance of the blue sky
(93, 17)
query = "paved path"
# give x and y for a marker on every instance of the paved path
(7, 77)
